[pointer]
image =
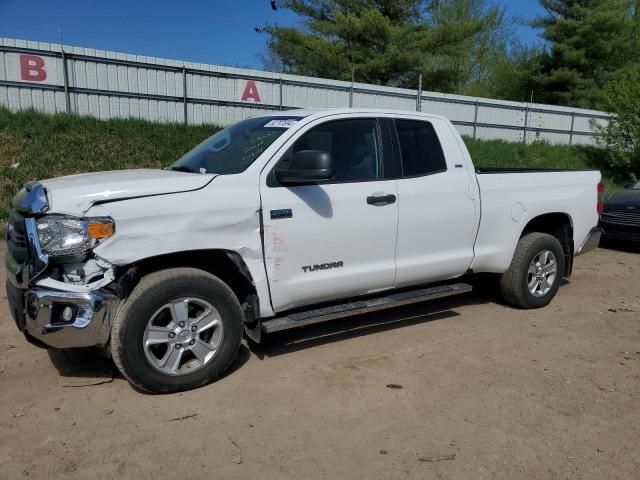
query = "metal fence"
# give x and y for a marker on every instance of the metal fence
(106, 85)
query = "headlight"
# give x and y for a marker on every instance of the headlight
(63, 236)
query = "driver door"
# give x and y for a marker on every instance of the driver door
(333, 239)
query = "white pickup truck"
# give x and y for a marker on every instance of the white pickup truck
(276, 222)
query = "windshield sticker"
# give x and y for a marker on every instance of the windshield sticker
(284, 123)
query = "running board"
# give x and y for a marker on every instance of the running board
(334, 312)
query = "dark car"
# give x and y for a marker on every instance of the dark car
(620, 218)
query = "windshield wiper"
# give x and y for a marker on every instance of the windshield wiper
(183, 168)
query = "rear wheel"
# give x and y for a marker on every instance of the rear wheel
(535, 273)
(179, 329)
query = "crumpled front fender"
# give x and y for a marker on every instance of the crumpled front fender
(222, 216)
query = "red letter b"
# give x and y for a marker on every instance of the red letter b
(32, 68)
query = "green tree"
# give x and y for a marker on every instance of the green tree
(391, 42)
(589, 40)
(621, 96)
(474, 56)
(511, 76)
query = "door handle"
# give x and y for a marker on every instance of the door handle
(381, 199)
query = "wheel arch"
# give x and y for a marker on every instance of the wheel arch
(227, 265)
(224, 264)
(558, 225)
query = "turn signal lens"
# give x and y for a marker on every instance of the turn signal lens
(100, 230)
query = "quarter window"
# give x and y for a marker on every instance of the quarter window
(353, 144)
(420, 149)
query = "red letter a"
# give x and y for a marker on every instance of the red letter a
(251, 91)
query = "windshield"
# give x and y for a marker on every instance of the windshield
(233, 149)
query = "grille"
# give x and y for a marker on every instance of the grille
(630, 235)
(17, 238)
(621, 217)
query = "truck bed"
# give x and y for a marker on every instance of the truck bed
(511, 197)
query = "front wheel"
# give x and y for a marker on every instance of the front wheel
(179, 329)
(535, 273)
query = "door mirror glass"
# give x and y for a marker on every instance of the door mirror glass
(307, 166)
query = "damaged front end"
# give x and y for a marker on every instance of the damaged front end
(59, 293)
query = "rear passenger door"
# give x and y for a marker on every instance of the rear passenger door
(437, 209)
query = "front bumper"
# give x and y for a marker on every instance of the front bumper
(591, 242)
(38, 313)
(621, 223)
(618, 231)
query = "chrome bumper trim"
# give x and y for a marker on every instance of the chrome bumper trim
(20, 274)
(38, 260)
(32, 199)
(591, 242)
(90, 325)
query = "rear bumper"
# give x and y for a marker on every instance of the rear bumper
(38, 313)
(591, 242)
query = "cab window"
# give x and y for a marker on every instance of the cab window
(353, 144)
(419, 148)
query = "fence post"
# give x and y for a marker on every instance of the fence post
(573, 118)
(526, 124)
(353, 76)
(475, 120)
(184, 92)
(280, 82)
(65, 75)
(419, 96)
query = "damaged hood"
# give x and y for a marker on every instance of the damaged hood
(75, 194)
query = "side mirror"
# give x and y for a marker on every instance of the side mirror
(307, 166)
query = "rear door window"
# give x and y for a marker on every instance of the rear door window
(419, 148)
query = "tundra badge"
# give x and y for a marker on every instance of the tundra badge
(282, 213)
(322, 266)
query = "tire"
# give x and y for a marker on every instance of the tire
(138, 345)
(516, 282)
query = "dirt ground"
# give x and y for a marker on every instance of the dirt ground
(482, 391)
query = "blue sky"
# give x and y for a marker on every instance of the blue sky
(209, 31)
